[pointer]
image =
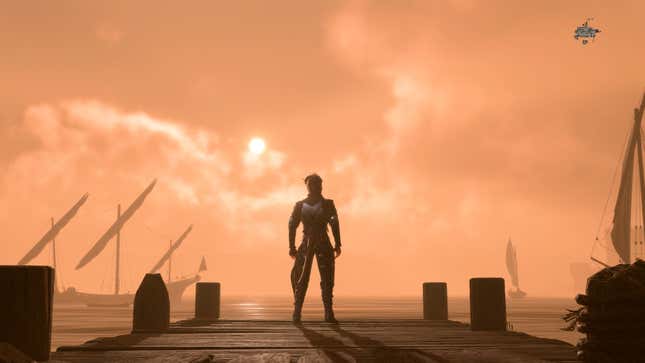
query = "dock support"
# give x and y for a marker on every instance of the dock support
(151, 311)
(487, 304)
(435, 301)
(26, 309)
(207, 300)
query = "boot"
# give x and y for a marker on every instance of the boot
(329, 313)
(297, 312)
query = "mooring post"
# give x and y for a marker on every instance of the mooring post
(207, 300)
(151, 311)
(487, 303)
(26, 303)
(435, 301)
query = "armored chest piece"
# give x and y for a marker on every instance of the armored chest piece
(312, 214)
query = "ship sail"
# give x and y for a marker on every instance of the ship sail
(172, 249)
(53, 232)
(202, 265)
(620, 232)
(621, 228)
(116, 227)
(511, 263)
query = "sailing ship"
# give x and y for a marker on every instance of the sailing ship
(511, 266)
(177, 287)
(117, 298)
(626, 232)
(60, 295)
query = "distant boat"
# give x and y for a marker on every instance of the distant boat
(629, 211)
(511, 266)
(117, 298)
(68, 295)
(176, 288)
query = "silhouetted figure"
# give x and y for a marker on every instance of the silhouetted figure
(315, 212)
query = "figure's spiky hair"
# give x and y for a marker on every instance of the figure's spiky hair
(313, 177)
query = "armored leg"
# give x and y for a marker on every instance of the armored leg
(326, 267)
(300, 277)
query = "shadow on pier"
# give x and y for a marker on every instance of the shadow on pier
(244, 341)
(361, 348)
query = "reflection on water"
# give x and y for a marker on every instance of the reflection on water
(75, 324)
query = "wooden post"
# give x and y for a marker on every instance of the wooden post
(26, 309)
(207, 299)
(487, 303)
(435, 301)
(151, 311)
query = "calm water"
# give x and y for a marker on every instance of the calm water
(75, 324)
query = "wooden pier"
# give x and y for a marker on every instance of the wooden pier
(350, 341)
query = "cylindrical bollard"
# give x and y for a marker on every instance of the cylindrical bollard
(151, 311)
(435, 301)
(26, 309)
(487, 304)
(207, 296)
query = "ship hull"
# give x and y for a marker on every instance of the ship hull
(106, 300)
(177, 288)
(69, 296)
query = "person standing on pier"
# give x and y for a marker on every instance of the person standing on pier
(315, 212)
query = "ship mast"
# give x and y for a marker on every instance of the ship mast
(52, 233)
(118, 252)
(638, 117)
(115, 231)
(168, 255)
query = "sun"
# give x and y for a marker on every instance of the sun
(256, 146)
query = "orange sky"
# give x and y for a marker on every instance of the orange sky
(439, 127)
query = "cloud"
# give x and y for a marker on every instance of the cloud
(87, 142)
(89, 136)
(256, 165)
(345, 163)
(464, 154)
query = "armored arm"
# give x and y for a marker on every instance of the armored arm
(334, 223)
(294, 221)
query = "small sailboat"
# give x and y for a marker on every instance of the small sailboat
(626, 232)
(511, 266)
(117, 298)
(177, 287)
(61, 295)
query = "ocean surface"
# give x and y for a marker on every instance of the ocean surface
(75, 324)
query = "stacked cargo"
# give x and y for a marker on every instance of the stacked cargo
(612, 315)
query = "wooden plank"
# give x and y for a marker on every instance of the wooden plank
(357, 340)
